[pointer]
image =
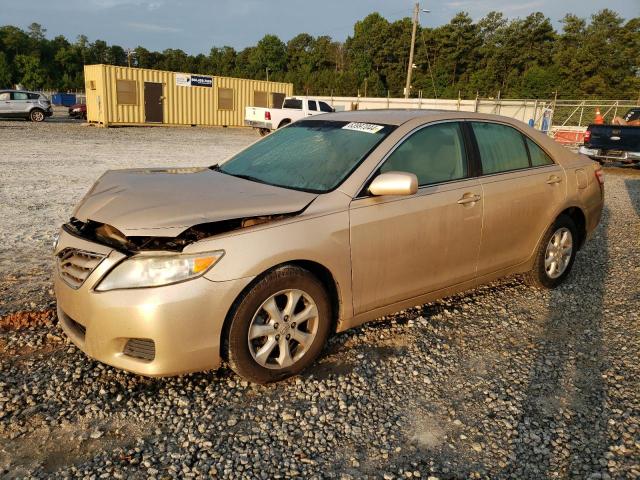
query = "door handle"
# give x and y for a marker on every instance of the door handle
(469, 198)
(554, 179)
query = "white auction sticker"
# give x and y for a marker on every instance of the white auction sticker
(363, 127)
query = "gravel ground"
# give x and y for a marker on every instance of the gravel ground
(502, 382)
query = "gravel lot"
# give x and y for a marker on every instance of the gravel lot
(502, 382)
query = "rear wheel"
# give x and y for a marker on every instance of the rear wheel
(36, 115)
(284, 123)
(556, 254)
(279, 327)
(264, 132)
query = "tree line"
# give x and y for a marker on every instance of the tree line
(494, 56)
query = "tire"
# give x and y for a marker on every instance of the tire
(284, 123)
(36, 115)
(264, 132)
(262, 359)
(553, 248)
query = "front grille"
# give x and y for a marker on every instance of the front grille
(76, 265)
(142, 348)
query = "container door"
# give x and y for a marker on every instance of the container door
(153, 110)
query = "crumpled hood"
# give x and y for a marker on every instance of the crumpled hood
(165, 202)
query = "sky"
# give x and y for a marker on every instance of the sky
(196, 25)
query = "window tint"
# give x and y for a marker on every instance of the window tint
(126, 92)
(295, 103)
(325, 107)
(5, 96)
(538, 157)
(313, 106)
(435, 154)
(501, 147)
(225, 98)
(33, 96)
(19, 96)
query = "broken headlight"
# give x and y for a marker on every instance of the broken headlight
(156, 270)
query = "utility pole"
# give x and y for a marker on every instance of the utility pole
(416, 12)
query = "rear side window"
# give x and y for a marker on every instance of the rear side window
(19, 96)
(501, 147)
(325, 107)
(295, 103)
(313, 106)
(538, 157)
(434, 154)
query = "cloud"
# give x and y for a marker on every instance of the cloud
(504, 7)
(149, 4)
(151, 27)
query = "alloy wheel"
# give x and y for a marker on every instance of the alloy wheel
(558, 253)
(283, 329)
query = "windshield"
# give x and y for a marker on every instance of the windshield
(310, 155)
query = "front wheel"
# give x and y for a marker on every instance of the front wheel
(36, 115)
(556, 254)
(279, 327)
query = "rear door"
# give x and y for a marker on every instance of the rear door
(312, 107)
(153, 111)
(403, 247)
(522, 191)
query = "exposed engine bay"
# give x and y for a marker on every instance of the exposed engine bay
(112, 237)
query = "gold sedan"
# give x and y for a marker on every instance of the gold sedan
(319, 227)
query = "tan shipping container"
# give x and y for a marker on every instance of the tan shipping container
(140, 96)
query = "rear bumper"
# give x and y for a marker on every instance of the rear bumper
(256, 124)
(608, 155)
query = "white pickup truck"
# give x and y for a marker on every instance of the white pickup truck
(293, 108)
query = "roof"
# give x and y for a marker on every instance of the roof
(400, 116)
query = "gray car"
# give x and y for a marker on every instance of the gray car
(32, 106)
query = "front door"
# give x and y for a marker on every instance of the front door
(403, 247)
(153, 110)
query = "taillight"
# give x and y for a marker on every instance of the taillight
(267, 115)
(600, 176)
(587, 136)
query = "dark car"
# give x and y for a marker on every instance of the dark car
(79, 110)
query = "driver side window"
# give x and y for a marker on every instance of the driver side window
(435, 154)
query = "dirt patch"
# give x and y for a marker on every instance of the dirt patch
(52, 448)
(26, 319)
(429, 432)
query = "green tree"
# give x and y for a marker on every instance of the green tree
(5, 72)
(31, 74)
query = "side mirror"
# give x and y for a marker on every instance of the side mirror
(394, 183)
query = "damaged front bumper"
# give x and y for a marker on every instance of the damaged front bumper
(158, 331)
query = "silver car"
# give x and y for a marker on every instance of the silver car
(32, 106)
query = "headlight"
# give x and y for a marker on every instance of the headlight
(154, 271)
